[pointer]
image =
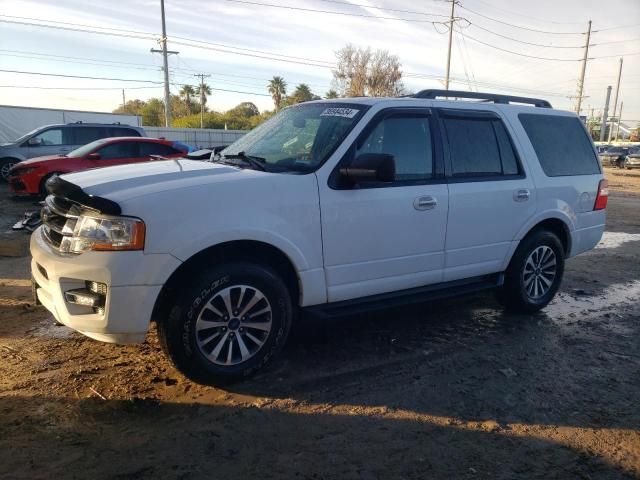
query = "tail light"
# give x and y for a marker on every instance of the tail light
(603, 195)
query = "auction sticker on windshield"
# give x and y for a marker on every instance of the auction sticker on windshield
(339, 112)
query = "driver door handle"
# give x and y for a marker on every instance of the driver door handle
(425, 203)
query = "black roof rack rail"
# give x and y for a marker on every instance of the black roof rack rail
(489, 97)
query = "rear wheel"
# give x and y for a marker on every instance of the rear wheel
(227, 323)
(534, 274)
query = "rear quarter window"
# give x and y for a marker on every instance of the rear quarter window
(561, 144)
(124, 132)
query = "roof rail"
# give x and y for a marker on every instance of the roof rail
(489, 97)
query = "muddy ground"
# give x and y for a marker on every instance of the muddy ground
(450, 389)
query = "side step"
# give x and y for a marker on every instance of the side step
(406, 297)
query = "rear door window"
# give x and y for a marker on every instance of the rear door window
(119, 150)
(479, 146)
(150, 148)
(124, 132)
(561, 144)
(84, 135)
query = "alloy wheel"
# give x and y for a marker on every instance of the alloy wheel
(233, 325)
(539, 272)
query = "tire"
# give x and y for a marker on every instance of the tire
(5, 166)
(42, 191)
(197, 337)
(529, 286)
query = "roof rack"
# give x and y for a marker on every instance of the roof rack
(488, 97)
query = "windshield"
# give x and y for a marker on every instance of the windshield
(85, 149)
(27, 135)
(299, 138)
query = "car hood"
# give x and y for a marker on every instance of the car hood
(38, 161)
(124, 182)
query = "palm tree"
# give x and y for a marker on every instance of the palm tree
(185, 93)
(302, 93)
(203, 91)
(278, 89)
(331, 94)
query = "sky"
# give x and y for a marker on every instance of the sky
(228, 40)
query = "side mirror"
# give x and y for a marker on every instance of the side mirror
(34, 141)
(93, 156)
(370, 167)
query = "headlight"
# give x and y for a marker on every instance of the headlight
(103, 234)
(20, 171)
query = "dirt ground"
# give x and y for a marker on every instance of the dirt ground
(451, 389)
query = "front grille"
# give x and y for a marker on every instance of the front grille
(56, 214)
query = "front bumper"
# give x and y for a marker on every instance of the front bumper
(632, 163)
(133, 280)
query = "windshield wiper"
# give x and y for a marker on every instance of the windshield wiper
(257, 163)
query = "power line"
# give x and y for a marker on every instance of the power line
(385, 8)
(618, 27)
(61, 59)
(73, 88)
(250, 50)
(473, 24)
(299, 62)
(77, 25)
(79, 76)
(523, 54)
(76, 29)
(519, 26)
(509, 12)
(616, 41)
(333, 12)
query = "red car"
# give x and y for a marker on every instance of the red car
(29, 177)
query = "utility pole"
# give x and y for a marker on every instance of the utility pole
(446, 80)
(584, 68)
(615, 97)
(123, 100)
(603, 126)
(202, 76)
(619, 118)
(165, 67)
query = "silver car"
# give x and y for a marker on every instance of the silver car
(57, 140)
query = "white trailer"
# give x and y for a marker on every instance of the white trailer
(16, 121)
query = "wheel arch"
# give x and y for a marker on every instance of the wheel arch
(244, 250)
(559, 225)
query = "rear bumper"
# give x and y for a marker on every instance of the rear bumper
(129, 301)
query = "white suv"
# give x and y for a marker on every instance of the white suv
(329, 207)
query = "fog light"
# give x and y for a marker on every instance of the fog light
(82, 296)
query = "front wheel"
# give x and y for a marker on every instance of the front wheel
(227, 323)
(534, 274)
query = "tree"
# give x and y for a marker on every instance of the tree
(132, 107)
(203, 91)
(361, 72)
(185, 93)
(245, 109)
(153, 113)
(278, 89)
(331, 94)
(302, 93)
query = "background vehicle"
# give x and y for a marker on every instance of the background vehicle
(614, 157)
(29, 177)
(58, 140)
(633, 158)
(329, 207)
